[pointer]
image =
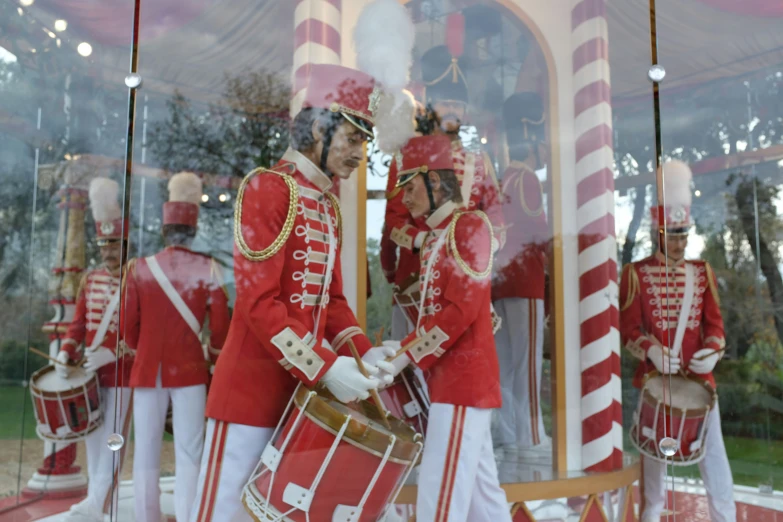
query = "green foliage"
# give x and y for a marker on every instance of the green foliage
(379, 306)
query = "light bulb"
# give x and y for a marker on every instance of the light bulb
(60, 25)
(84, 49)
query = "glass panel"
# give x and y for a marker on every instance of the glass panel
(63, 114)
(721, 117)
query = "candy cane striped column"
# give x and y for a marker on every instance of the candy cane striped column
(598, 315)
(317, 39)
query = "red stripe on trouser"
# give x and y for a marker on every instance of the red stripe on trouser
(450, 466)
(120, 455)
(533, 378)
(212, 476)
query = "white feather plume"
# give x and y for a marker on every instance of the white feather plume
(394, 120)
(677, 184)
(186, 187)
(103, 199)
(383, 38)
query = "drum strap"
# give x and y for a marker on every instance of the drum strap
(108, 313)
(173, 295)
(685, 309)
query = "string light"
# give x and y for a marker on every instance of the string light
(84, 49)
(204, 198)
(26, 3)
(223, 198)
(60, 25)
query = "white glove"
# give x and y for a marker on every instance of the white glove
(401, 362)
(347, 383)
(63, 369)
(662, 360)
(703, 361)
(376, 357)
(97, 358)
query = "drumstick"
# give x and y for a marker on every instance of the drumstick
(379, 337)
(401, 351)
(374, 393)
(45, 356)
(702, 357)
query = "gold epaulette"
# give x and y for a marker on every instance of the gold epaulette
(288, 226)
(474, 274)
(711, 282)
(338, 214)
(633, 285)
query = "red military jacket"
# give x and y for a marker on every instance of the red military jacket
(153, 326)
(520, 266)
(289, 294)
(453, 342)
(650, 308)
(400, 230)
(95, 291)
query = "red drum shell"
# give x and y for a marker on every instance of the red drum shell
(69, 414)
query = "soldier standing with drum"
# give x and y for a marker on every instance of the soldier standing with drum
(670, 320)
(290, 300)
(95, 325)
(167, 300)
(453, 342)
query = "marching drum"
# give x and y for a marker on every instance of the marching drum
(66, 410)
(679, 411)
(407, 399)
(330, 461)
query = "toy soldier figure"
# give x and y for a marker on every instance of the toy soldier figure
(93, 335)
(446, 100)
(652, 295)
(289, 289)
(168, 298)
(452, 342)
(518, 283)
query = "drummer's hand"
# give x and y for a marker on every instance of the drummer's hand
(347, 383)
(63, 369)
(399, 363)
(704, 361)
(376, 357)
(98, 358)
(663, 362)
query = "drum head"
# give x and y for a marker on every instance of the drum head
(679, 392)
(49, 381)
(365, 429)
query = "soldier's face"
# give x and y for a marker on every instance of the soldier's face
(451, 114)
(346, 151)
(415, 196)
(675, 246)
(110, 255)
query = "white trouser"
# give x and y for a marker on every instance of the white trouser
(715, 472)
(458, 478)
(149, 419)
(520, 348)
(104, 465)
(231, 453)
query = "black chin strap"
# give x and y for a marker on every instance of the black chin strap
(325, 152)
(428, 186)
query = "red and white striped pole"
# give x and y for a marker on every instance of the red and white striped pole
(598, 309)
(317, 39)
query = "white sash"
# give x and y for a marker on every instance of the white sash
(685, 310)
(108, 313)
(173, 295)
(466, 188)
